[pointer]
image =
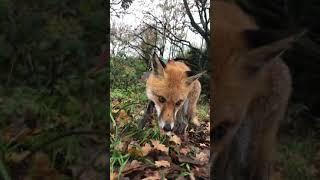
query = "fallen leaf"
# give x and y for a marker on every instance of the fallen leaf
(154, 176)
(133, 148)
(186, 159)
(184, 150)
(202, 156)
(114, 176)
(132, 165)
(42, 161)
(162, 163)
(134, 168)
(146, 149)
(90, 173)
(191, 175)
(203, 145)
(41, 168)
(119, 146)
(201, 173)
(174, 138)
(123, 118)
(159, 146)
(208, 139)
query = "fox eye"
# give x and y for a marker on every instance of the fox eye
(178, 103)
(162, 99)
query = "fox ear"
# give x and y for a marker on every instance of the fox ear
(192, 77)
(256, 58)
(260, 37)
(157, 65)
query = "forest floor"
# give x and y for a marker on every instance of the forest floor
(150, 154)
(298, 153)
(51, 136)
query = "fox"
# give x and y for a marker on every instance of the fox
(173, 91)
(250, 88)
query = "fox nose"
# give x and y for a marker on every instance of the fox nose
(167, 127)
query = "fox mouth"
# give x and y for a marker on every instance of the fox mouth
(167, 127)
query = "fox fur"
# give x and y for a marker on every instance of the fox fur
(173, 91)
(250, 88)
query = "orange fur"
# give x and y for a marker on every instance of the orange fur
(174, 86)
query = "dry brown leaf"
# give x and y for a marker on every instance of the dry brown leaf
(186, 159)
(162, 163)
(159, 146)
(146, 149)
(135, 168)
(203, 145)
(42, 161)
(122, 118)
(132, 165)
(184, 150)
(202, 157)
(191, 175)
(114, 176)
(119, 146)
(154, 176)
(41, 168)
(133, 148)
(208, 138)
(174, 138)
(201, 173)
(36, 131)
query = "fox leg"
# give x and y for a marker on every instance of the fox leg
(147, 117)
(192, 103)
(262, 152)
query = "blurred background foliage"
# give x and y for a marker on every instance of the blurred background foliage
(52, 74)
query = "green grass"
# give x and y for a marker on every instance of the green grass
(296, 157)
(52, 114)
(130, 132)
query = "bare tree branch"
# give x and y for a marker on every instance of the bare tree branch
(201, 31)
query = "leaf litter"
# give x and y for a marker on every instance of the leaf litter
(171, 158)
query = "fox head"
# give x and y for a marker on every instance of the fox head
(168, 86)
(236, 84)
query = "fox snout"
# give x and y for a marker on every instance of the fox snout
(166, 126)
(167, 117)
